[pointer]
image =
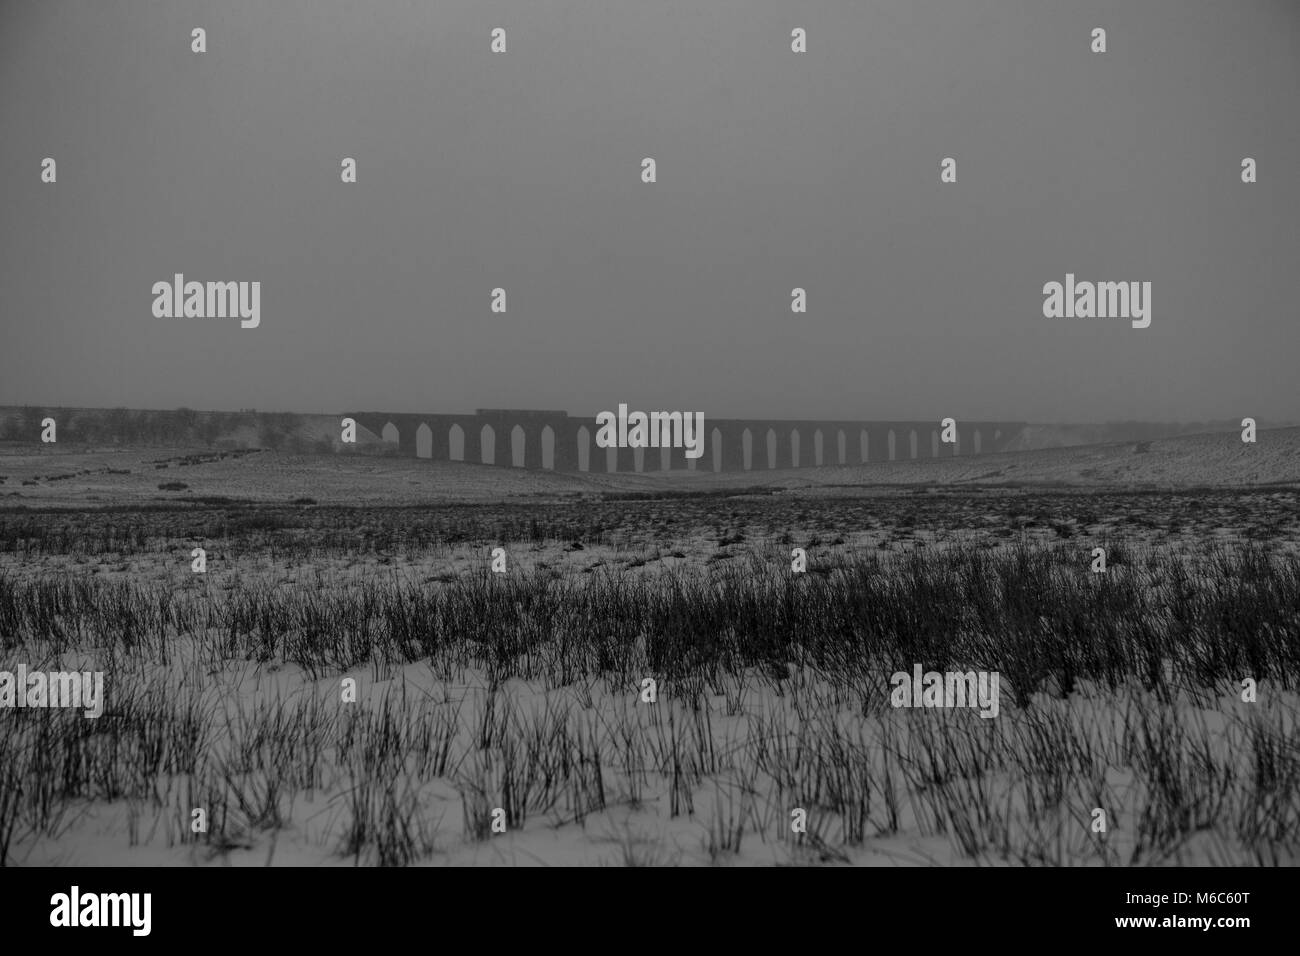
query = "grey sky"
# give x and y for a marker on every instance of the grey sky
(776, 170)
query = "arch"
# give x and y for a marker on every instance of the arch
(611, 459)
(819, 448)
(771, 448)
(665, 458)
(548, 448)
(893, 446)
(913, 442)
(390, 434)
(841, 448)
(456, 443)
(487, 445)
(715, 442)
(864, 444)
(977, 441)
(934, 444)
(424, 441)
(584, 448)
(638, 460)
(747, 450)
(518, 446)
(794, 448)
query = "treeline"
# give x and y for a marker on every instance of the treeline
(281, 431)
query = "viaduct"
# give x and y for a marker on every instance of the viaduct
(555, 441)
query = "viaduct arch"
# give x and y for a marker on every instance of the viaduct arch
(554, 440)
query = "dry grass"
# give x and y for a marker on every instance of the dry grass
(521, 691)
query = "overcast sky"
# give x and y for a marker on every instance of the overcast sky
(775, 170)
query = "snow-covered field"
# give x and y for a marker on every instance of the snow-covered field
(649, 678)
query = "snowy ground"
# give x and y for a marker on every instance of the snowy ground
(228, 691)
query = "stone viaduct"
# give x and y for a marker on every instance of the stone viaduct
(553, 440)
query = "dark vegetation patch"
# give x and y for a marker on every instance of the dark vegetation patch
(297, 531)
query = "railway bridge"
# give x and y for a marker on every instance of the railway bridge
(554, 440)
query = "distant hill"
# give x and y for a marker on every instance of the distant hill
(1068, 436)
(1213, 459)
(181, 428)
(75, 475)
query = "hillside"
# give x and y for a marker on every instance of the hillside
(1217, 460)
(35, 475)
